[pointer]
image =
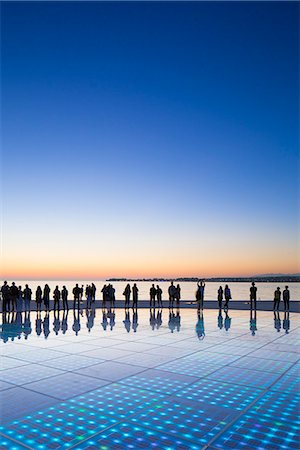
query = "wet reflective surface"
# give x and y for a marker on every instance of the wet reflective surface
(178, 379)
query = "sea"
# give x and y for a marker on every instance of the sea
(239, 290)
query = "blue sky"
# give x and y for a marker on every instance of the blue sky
(150, 138)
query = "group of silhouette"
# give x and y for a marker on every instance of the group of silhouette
(18, 299)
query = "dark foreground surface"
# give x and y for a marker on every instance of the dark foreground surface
(111, 379)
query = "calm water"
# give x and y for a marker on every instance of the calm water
(239, 291)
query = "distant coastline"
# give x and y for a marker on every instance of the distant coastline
(259, 279)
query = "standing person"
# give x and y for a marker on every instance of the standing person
(81, 293)
(14, 293)
(93, 292)
(152, 296)
(227, 295)
(127, 293)
(277, 298)
(38, 298)
(46, 297)
(64, 297)
(286, 298)
(56, 296)
(76, 294)
(27, 294)
(220, 297)
(5, 291)
(253, 294)
(177, 294)
(135, 293)
(88, 293)
(20, 300)
(171, 292)
(104, 291)
(111, 295)
(200, 294)
(159, 296)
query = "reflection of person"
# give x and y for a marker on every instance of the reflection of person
(200, 325)
(253, 294)
(277, 321)
(253, 326)
(277, 297)
(286, 298)
(220, 319)
(286, 322)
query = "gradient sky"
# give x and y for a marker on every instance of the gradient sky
(149, 139)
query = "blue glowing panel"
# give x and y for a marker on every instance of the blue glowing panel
(295, 370)
(213, 358)
(272, 423)
(247, 377)
(118, 399)
(187, 366)
(187, 420)
(132, 436)
(9, 444)
(29, 373)
(220, 394)
(266, 365)
(287, 384)
(59, 426)
(160, 381)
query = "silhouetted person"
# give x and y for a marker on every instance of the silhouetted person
(277, 321)
(81, 290)
(14, 293)
(93, 292)
(127, 293)
(38, 298)
(227, 295)
(76, 294)
(64, 297)
(46, 297)
(177, 294)
(89, 295)
(56, 297)
(135, 294)
(105, 295)
(253, 323)
(127, 323)
(20, 300)
(27, 294)
(220, 296)
(200, 325)
(5, 291)
(286, 322)
(200, 294)
(277, 298)
(152, 296)
(220, 317)
(111, 295)
(286, 298)
(171, 292)
(159, 296)
(253, 295)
